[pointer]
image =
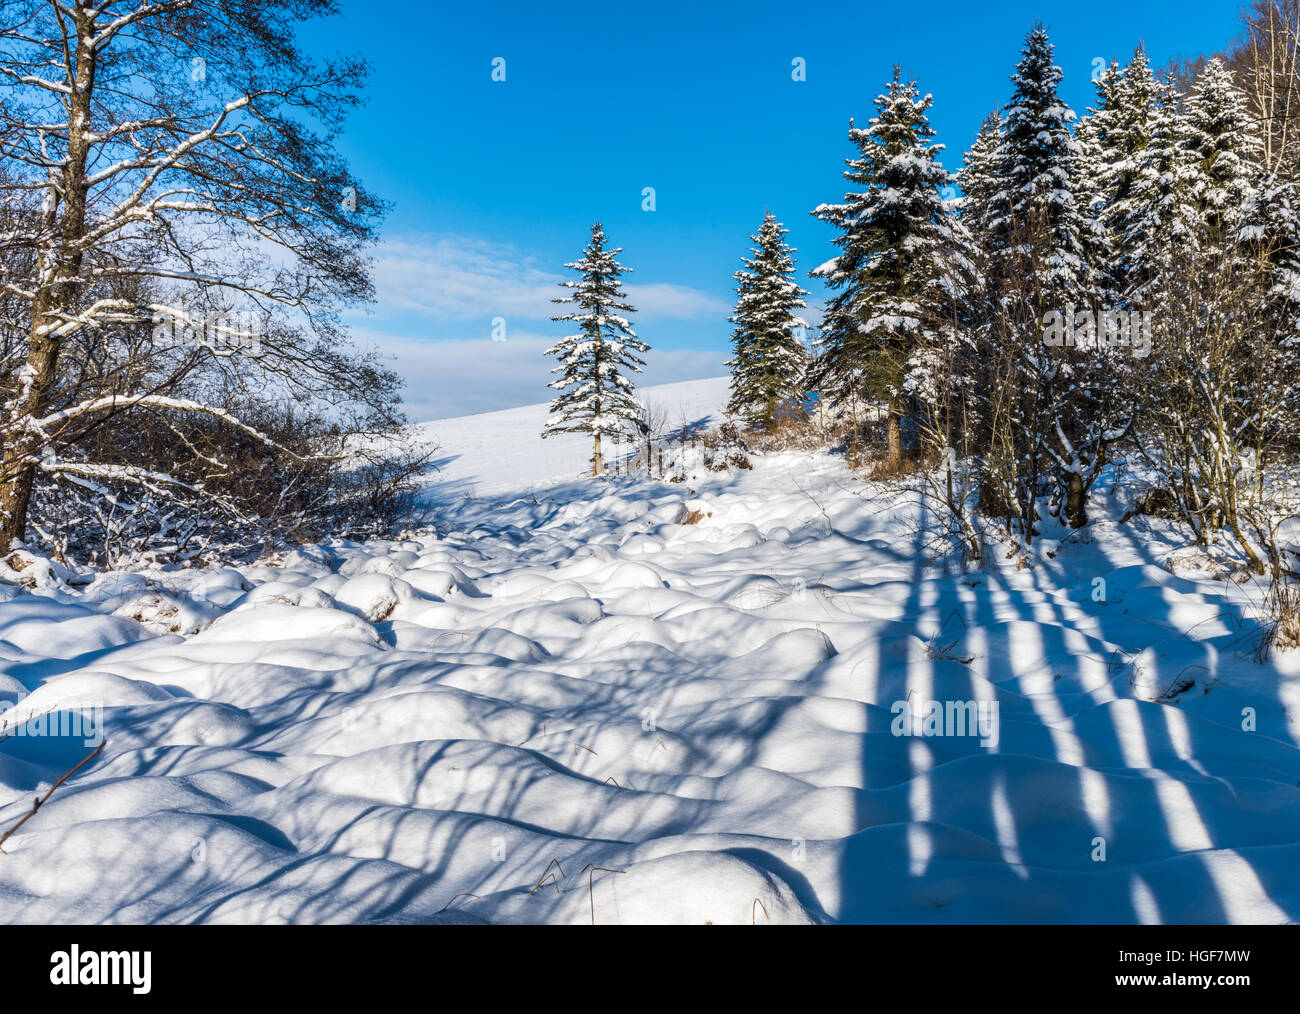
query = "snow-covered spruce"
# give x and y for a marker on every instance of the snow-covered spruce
(767, 371)
(1224, 151)
(1058, 405)
(596, 396)
(887, 315)
(1038, 167)
(978, 174)
(1268, 234)
(1140, 168)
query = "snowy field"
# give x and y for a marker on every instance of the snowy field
(570, 706)
(497, 452)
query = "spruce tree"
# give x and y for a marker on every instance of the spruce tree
(1268, 237)
(887, 316)
(1060, 404)
(1268, 250)
(1036, 215)
(1158, 214)
(979, 184)
(966, 369)
(978, 174)
(1223, 148)
(596, 397)
(768, 369)
(1115, 138)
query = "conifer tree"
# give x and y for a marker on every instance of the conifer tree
(885, 318)
(1059, 397)
(768, 368)
(1115, 138)
(1268, 248)
(1223, 148)
(1157, 215)
(979, 184)
(978, 174)
(1036, 215)
(596, 397)
(1269, 235)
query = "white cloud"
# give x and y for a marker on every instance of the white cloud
(675, 302)
(459, 278)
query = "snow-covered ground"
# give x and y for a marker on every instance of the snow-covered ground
(573, 707)
(500, 451)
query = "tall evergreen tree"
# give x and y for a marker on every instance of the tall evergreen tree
(1156, 214)
(1224, 150)
(1036, 216)
(1269, 236)
(1116, 137)
(596, 397)
(979, 185)
(886, 316)
(768, 369)
(1059, 397)
(1268, 247)
(978, 174)
(973, 302)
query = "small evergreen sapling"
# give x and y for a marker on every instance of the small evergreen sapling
(596, 397)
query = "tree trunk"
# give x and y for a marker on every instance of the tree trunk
(59, 264)
(894, 455)
(597, 461)
(1076, 502)
(18, 470)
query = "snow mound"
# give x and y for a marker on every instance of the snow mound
(573, 706)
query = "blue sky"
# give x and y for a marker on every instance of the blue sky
(495, 184)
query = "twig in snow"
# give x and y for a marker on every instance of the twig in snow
(591, 896)
(40, 800)
(543, 878)
(463, 894)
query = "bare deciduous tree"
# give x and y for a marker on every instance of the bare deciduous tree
(170, 165)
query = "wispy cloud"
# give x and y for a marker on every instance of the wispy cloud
(675, 302)
(460, 278)
(465, 376)
(437, 297)
(457, 278)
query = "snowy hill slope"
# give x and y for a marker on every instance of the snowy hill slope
(499, 451)
(573, 707)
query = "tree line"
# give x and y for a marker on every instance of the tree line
(1121, 286)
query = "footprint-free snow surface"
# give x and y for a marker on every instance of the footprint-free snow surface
(500, 452)
(573, 706)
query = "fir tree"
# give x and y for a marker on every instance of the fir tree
(768, 369)
(1268, 237)
(596, 397)
(1158, 214)
(979, 184)
(1036, 216)
(1115, 139)
(964, 370)
(1268, 247)
(978, 174)
(886, 317)
(1095, 239)
(1062, 399)
(1223, 148)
